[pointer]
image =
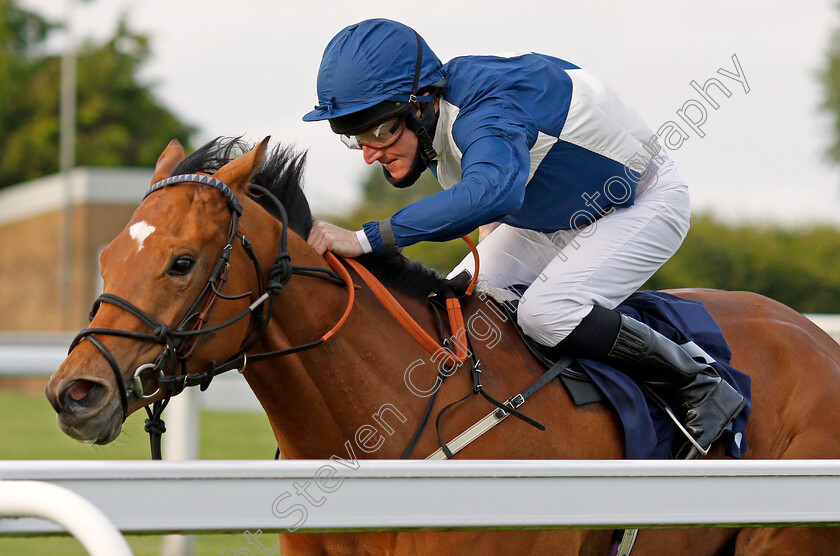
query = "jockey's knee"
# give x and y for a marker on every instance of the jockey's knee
(550, 325)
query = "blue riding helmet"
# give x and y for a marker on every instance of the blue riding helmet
(369, 64)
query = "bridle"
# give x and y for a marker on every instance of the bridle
(179, 342)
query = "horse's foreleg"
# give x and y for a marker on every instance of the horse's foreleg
(501, 543)
(688, 542)
(820, 440)
(788, 541)
(337, 544)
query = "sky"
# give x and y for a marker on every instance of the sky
(249, 67)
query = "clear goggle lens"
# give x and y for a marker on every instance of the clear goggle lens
(378, 137)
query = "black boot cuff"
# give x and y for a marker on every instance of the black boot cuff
(632, 342)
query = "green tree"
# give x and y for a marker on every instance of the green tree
(799, 267)
(119, 120)
(831, 93)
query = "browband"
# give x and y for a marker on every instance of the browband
(232, 201)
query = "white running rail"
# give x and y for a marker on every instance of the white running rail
(66, 508)
(332, 495)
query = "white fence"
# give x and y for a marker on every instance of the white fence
(69, 510)
(169, 497)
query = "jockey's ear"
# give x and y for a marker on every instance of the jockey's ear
(238, 172)
(171, 156)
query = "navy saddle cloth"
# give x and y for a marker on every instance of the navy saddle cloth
(648, 431)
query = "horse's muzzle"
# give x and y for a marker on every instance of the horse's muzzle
(87, 410)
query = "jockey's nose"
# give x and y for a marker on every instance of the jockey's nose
(370, 154)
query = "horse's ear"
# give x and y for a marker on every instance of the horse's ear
(171, 156)
(237, 173)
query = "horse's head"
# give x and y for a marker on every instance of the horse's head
(164, 275)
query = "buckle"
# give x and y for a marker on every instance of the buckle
(516, 401)
(476, 373)
(137, 381)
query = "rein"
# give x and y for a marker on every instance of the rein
(409, 324)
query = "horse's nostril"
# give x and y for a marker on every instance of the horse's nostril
(79, 390)
(82, 394)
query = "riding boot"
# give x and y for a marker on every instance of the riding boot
(710, 403)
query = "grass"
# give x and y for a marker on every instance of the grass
(28, 431)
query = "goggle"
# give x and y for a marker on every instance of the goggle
(379, 137)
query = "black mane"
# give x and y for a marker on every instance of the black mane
(282, 174)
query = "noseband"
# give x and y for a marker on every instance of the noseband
(179, 342)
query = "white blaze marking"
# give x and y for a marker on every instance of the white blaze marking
(139, 232)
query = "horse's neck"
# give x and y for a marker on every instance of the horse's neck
(348, 391)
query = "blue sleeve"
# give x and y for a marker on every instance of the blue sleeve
(494, 170)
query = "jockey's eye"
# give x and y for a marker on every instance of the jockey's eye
(181, 266)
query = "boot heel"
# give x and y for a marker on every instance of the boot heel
(728, 403)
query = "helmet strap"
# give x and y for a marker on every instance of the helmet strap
(414, 173)
(423, 126)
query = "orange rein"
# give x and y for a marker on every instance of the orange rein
(351, 290)
(456, 318)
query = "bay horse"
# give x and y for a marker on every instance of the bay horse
(321, 400)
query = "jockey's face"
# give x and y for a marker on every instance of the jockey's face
(397, 157)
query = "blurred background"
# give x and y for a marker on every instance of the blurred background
(91, 91)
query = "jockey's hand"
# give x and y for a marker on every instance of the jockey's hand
(329, 237)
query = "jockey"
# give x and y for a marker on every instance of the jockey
(572, 193)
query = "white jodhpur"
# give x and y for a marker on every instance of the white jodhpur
(569, 271)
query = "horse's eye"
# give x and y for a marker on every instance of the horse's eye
(181, 266)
